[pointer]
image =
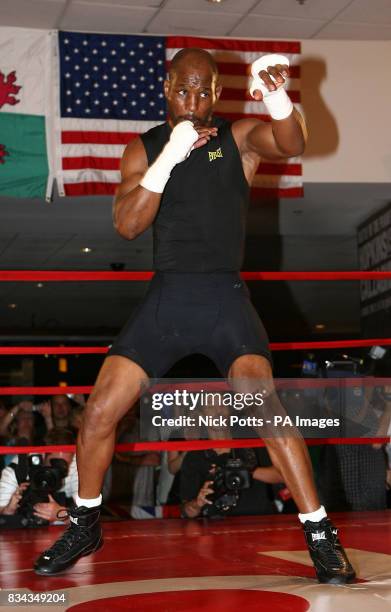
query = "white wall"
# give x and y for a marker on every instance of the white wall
(346, 97)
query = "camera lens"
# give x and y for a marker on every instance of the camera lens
(35, 459)
(233, 481)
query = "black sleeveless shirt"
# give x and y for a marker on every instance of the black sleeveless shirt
(201, 222)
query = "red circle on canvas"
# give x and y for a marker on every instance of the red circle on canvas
(207, 600)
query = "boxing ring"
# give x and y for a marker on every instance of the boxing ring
(251, 562)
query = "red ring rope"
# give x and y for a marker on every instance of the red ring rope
(44, 390)
(274, 346)
(293, 383)
(105, 275)
(186, 445)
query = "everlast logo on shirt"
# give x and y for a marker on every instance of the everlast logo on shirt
(215, 154)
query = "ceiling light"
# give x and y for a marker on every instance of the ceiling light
(86, 250)
(320, 326)
(39, 285)
(215, 1)
(12, 306)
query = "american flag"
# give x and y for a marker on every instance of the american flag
(111, 90)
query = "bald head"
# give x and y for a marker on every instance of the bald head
(194, 57)
(192, 88)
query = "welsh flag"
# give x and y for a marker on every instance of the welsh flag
(24, 110)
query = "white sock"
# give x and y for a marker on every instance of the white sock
(88, 503)
(315, 517)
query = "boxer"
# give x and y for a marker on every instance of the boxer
(190, 179)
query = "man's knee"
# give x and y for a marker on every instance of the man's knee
(99, 416)
(251, 374)
(117, 388)
(251, 366)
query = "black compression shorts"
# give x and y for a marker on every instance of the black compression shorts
(187, 313)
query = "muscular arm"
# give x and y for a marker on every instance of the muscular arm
(134, 207)
(285, 134)
(273, 140)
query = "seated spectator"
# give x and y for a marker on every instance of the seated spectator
(202, 488)
(354, 477)
(144, 463)
(15, 481)
(168, 489)
(24, 426)
(175, 460)
(61, 410)
(57, 412)
(8, 421)
(168, 486)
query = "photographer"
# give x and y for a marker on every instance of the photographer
(38, 496)
(22, 425)
(58, 411)
(225, 481)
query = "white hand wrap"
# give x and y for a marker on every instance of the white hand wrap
(277, 102)
(182, 139)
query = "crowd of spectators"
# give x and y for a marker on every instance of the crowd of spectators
(51, 422)
(196, 482)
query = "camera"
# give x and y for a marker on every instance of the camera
(43, 480)
(228, 481)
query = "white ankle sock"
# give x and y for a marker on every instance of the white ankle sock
(315, 517)
(88, 503)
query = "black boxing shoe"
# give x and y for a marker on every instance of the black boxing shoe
(327, 553)
(82, 537)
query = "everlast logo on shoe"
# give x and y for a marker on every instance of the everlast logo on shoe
(215, 154)
(321, 535)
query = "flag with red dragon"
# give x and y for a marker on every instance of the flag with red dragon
(24, 99)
